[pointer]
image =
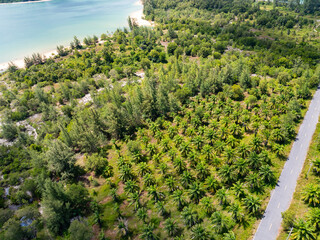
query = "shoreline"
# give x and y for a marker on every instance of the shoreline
(137, 16)
(38, 1)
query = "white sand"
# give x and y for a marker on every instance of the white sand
(20, 62)
(138, 16)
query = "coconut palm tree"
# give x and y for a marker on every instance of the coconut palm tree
(147, 232)
(207, 205)
(143, 169)
(179, 165)
(155, 194)
(221, 224)
(199, 233)
(302, 230)
(202, 170)
(196, 192)
(161, 209)
(311, 194)
(252, 204)
(190, 217)
(267, 174)
(229, 236)
(212, 184)
(171, 227)
(142, 214)
(134, 200)
(227, 174)
(241, 167)
(243, 150)
(222, 196)
(131, 187)
(314, 218)
(148, 180)
(236, 211)
(198, 141)
(316, 166)
(185, 148)
(179, 199)
(122, 227)
(171, 183)
(186, 178)
(238, 189)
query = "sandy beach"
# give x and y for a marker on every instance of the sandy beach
(20, 62)
(138, 17)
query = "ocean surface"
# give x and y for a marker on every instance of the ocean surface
(40, 27)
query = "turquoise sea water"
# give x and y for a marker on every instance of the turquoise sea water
(40, 27)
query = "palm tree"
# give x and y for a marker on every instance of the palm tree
(252, 204)
(241, 166)
(229, 236)
(190, 217)
(316, 166)
(202, 170)
(207, 205)
(165, 144)
(199, 233)
(122, 227)
(131, 187)
(198, 141)
(267, 174)
(254, 161)
(143, 169)
(171, 183)
(314, 218)
(179, 165)
(178, 140)
(236, 211)
(210, 135)
(207, 151)
(161, 209)
(147, 232)
(219, 147)
(196, 192)
(226, 173)
(229, 154)
(243, 150)
(254, 181)
(152, 149)
(232, 141)
(134, 199)
(311, 195)
(154, 193)
(171, 227)
(142, 214)
(302, 231)
(238, 189)
(256, 144)
(186, 179)
(185, 148)
(148, 180)
(278, 149)
(222, 196)
(221, 224)
(179, 199)
(212, 184)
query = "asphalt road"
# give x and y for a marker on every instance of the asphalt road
(282, 194)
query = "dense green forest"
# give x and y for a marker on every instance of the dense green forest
(179, 131)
